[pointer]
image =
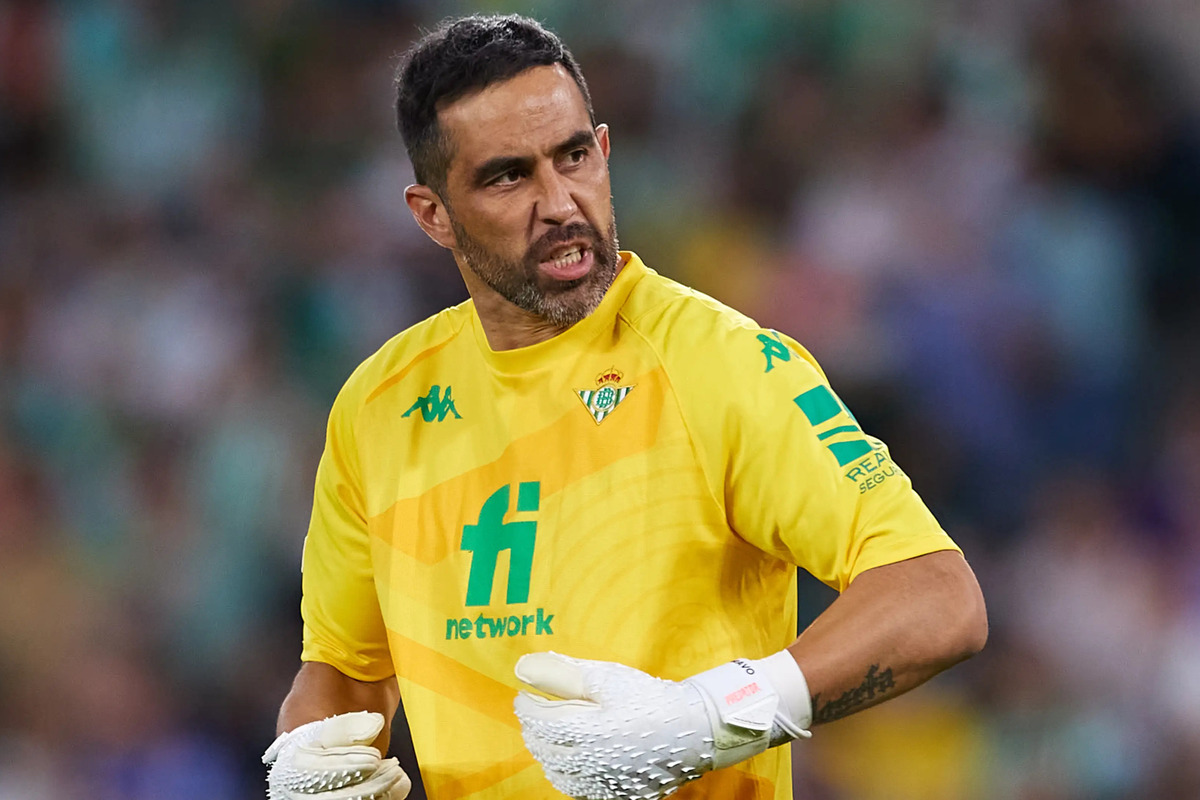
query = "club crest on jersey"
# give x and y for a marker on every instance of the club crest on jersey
(608, 394)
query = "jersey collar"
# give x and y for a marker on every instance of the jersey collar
(567, 343)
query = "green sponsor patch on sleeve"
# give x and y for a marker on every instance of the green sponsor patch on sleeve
(820, 406)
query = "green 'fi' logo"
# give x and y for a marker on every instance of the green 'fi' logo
(485, 540)
(490, 536)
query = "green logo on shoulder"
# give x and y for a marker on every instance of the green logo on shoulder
(773, 348)
(869, 467)
(434, 406)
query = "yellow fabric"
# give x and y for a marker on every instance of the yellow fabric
(664, 536)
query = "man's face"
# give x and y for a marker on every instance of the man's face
(528, 195)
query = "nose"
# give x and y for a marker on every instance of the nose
(555, 204)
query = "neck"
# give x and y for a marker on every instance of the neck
(508, 327)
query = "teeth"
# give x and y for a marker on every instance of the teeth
(568, 258)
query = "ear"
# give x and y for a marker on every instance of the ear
(602, 138)
(429, 211)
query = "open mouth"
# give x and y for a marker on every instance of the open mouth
(568, 264)
(572, 256)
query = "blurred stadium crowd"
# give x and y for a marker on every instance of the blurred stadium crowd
(983, 218)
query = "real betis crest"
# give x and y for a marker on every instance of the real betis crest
(608, 394)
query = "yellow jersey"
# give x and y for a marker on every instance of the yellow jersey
(639, 489)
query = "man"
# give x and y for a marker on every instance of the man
(605, 465)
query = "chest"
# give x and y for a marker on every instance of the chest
(487, 492)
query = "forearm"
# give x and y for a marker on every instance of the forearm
(891, 630)
(599, 728)
(320, 691)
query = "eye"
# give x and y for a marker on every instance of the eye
(577, 155)
(506, 178)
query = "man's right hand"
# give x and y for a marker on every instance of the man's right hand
(332, 759)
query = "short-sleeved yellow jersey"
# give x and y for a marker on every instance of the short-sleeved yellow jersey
(637, 489)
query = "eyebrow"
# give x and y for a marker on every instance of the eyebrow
(502, 164)
(580, 138)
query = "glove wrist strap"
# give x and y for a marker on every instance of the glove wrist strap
(754, 705)
(793, 717)
(741, 704)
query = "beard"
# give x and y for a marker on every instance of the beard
(560, 303)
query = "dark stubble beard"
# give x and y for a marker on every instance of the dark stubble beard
(560, 303)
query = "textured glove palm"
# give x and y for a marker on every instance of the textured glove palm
(620, 733)
(332, 759)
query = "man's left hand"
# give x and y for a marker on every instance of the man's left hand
(616, 732)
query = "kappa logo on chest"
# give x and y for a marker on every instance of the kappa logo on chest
(434, 406)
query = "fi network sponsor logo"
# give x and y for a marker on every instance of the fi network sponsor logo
(485, 540)
(493, 627)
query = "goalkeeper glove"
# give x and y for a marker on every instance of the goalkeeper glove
(332, 759)
(620, 733)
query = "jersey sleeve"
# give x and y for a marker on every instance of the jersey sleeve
(797, 475)
(343, 624)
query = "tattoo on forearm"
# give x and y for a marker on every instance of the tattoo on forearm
(876, 684)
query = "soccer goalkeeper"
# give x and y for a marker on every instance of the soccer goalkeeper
(577, 564)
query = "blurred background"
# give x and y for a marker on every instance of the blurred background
(983, 218)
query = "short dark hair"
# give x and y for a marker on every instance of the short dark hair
(460, 56)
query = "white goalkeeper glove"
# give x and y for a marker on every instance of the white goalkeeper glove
(620, 733)
(332, 759)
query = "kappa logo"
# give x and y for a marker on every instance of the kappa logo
(773, 349)
(434, 406)
(608, 394)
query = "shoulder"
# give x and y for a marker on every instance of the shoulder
(691, 329)
(671, 313)
(718, 360)
(382, 369)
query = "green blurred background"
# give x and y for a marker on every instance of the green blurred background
(982, 217)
